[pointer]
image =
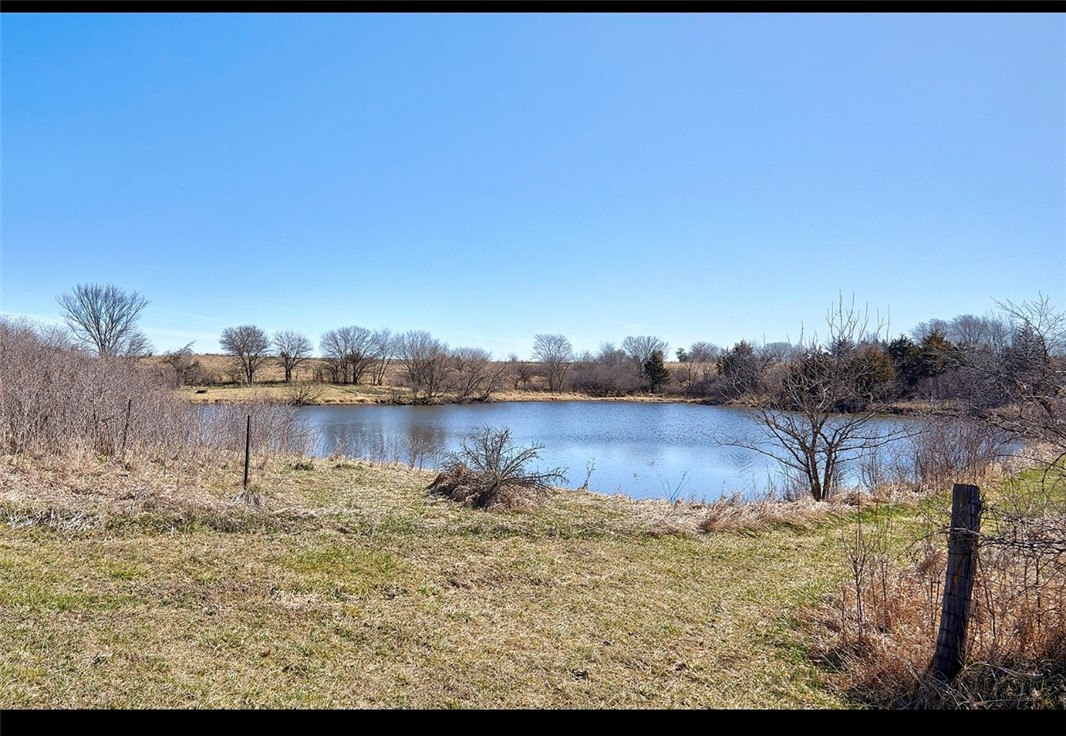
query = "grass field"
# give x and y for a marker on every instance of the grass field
(150, 587)
(335, 584)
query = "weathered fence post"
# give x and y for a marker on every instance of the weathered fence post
(958, 583)
(247, 449)
(126, 427)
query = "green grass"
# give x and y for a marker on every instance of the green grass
(354, 589)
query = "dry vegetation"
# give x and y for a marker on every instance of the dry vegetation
(144, 586)
(871, 634)
(137, 572)
(218, 384)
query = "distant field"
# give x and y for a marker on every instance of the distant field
(225, 387)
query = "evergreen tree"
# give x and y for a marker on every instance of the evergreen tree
(655, 371)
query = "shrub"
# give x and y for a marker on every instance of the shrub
(489, 472)
(57, 399)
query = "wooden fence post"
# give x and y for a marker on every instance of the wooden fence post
(247, 449)
(958, 583)
(126, 427)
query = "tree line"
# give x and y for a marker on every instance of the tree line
(815, 398)
(971, 358)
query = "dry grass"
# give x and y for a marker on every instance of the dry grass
(149, 584)
(738, 516)
(226, 387)
(353, 588)
(873, 634)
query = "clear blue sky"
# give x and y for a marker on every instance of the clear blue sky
(488, 177)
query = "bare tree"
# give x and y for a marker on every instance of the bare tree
(292, 348)
(556, 354)
(640, 348)
(473, 375)
(249, 345)
(776, 352)
(821, 414)
(608, 354)
(989, 332)
(521, 371)
(104, 317)
(923, 330)
(383, 346)
(425, 364)
(182, 363)
(698, 366)
(1032, 375)
(350, 351)
(704, 352)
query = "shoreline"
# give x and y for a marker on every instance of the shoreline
(348, 395)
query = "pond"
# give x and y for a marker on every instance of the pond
(638, 449)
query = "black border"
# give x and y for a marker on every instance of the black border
(533, 722)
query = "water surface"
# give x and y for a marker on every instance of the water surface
(642, 450)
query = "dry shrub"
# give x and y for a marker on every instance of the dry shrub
(276, 427)
(955, 450)
(57, 399)
(733, 514)
(489, 472)
(943, 451)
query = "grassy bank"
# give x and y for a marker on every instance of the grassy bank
(151, 587)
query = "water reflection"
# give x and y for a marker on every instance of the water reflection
(642, 450)
(417, 444)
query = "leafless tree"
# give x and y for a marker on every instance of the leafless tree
(473, 375)
(608, 373)
(249, 345)
(776, 352)
(934, 326)
(350, 352)
(182, 363)
(703, 352)
(697, 367)
(1032, 375)
(292, 348)
(989, 332)
(555, 354)
(425, 364)
(521, 371)
(639, 349)
(608, 354)
(822, 413)
(104, 317)
(383, 345)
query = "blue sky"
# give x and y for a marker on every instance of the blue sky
(488, 177)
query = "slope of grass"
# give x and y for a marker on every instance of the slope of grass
(151, 585)
(352, 588)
